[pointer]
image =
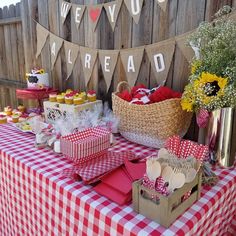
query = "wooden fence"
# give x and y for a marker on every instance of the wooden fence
(18, 42)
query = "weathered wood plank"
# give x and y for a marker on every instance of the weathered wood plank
(77, 37)
(3, 68)
(212, 6)
(26, 35)
(9, 21)
(8, 48)
(43, 20)
(54, 18)
(13, 34)
(145, 29)
(12, 83)
(20, 46)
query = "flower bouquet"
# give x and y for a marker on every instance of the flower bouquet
(211, 91)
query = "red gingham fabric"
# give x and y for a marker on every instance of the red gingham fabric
(35, 199)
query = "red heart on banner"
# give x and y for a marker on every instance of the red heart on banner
(94, 13)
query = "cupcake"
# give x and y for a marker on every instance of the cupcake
(15, 118)
(69, 99)
(3, 119)
(83, 95)
(91, 95)
(8, 110)
(53, 97)
(60, 98)
(21, 108)
(78, 100)
(68, 91)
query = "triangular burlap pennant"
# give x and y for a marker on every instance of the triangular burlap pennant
(131, 60)
(42, 35)
(163, 4)
(112, 10)
(55, 46)
(94, 13)
(78, 12)
(64, 10)
(108, 60)
(71, 52)
(187, 51)
(88, 58)
(135, 8)
(161, 55)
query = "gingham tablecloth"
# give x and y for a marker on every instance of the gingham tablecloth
(35, 199)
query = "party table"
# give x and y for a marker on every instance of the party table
(37, 199)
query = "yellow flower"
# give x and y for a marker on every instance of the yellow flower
(187, 104)
(209, 87)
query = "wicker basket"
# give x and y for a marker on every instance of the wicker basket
(152, 124)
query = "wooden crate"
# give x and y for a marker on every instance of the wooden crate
(55, 110)
(167, 209)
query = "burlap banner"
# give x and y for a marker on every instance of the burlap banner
(112, 10)
(42, 35)
(55, 46)
(131, 60)
(94, 13)
(134, 7)
(108, 60)
(162, 4)
(186, 50)
(78, 12)
(88, 58)
(71, 52)
(161, 55)
(64, 10)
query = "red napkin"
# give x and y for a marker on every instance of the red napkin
(113, 194)
(117, 185)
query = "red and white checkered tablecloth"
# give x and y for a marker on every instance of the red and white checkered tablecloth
(35, 199)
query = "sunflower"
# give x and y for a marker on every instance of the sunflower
(209, 87)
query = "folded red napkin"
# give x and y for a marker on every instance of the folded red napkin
(117, 185)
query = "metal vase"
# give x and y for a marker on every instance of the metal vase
(219, 135)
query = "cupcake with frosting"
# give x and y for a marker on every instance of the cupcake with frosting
(78, 100)
(69, 98)
(53, 97)
(91, 95)
(21, 108)
(8, 110)
(3, 119)
(60, 98)
(15, 118)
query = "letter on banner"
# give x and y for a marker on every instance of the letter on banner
(87, 61)
(108, 60)
(160, 55)
(159, 62)
(69, 57)
(130, 64)
(134, 8)
(112, 10)
(65, 7)
(88, 58)
(131, 60)
(53, 49)
(78, 11)
(107, 64)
